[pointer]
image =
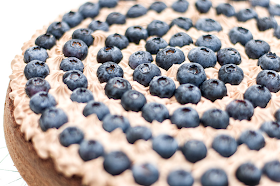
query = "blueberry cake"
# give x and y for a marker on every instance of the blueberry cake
(170, 92)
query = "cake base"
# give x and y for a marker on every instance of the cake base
(34, 170)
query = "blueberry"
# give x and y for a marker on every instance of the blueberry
(162, 86)
(116, 87)
(258, 95)
(90, 150)
(136, 11)
(203, 6)
(274, 10)
(182, 22)
(213, 89)
(138, 58)
(209, 41)
(248, 173)
(145, 174)
(246, 14)
(277, 115)
(139, 132)
(41, 101)
(135, 33)
(225, 9)
(157, 28)
(97, 108)
(71, 63)
(158, 6)
(180, 6)
(270, 79)
(180, 178)
(262, 3)
(46, 41)
(266, 23)
(192, 73)
(276, 32)
(35, 53)
(109, 53)
(81, 95)
(75, 48)
(144, 73)
(269, 61)
(204, 56)
(194, 150)
(272, 170)
(108, 3)
(117, 40)
(253, 139)
(240, 35)
(155, 111)
(208, 25)
(185, 117)
(168, 56)
(225, 145)
(228, 56)
(89, 10)
(72, 18)
(108, 70)
(35, 85)
(215, 118)
(71, 135)
(187, 93)
(271, 128)
(231, 73)
(240, 109)
(98, 25)
(116, 162)
(57, 29)
(217, 177)
(52, 118)
(84, 34)
(155, 44)
(75, 79)
(256, 48)
(133, 100)
(116, 18)
(112, 122)
(180, 39)
(36, 68)
(165, 145)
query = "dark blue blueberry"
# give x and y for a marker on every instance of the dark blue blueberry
(225, 9)
(180, 6)
(52, 118)
(57, 29)
(262, 3)
(270, 79)
(89, 10)
(187, 93)
(117, 40)
(248, 173)
(225, 145)
(203, 6)
(162, 86)
(228, 56)
(209, 41)
(258, 95)
(168, 56)
(108, 3)
(75, 48)
(180, 39)
(155, 111)
(98, 25)
(109, 54)
(240, 35)
(71, 63)
(269, 61)
(204, 56)
(116, 162)
(192, 73)
(35, 85)
(90, 150)
(271, 128)
(185, 117)
(215, 118)
(272, 170)
(71, 135)
(136, 133)
(182, 22)
(266, 23)
(41, 101)
(145, 174)
(155, 44)
(72, 18)
(213, 89)
(133, 100)
(208, 25)
(84, 34)
(217, 177)
(46, 41)
(165, 145)
(97, 108)
(246, 14)
(276, 32)
(138, 58)
(180, 178)
(81, 95)
(116, 18)
(277, 115)
(116, 87)
(36, 68)
(144, 73)
(108, 70)
(253, 139)
(35, 53)
(231, 73)
(274, 10)
(75, 79)
(158, 6)
(240, 109)
(194, 150)
(136, 11)
(135, 33)
(157, 28)
(112, 122)
(256, 48)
